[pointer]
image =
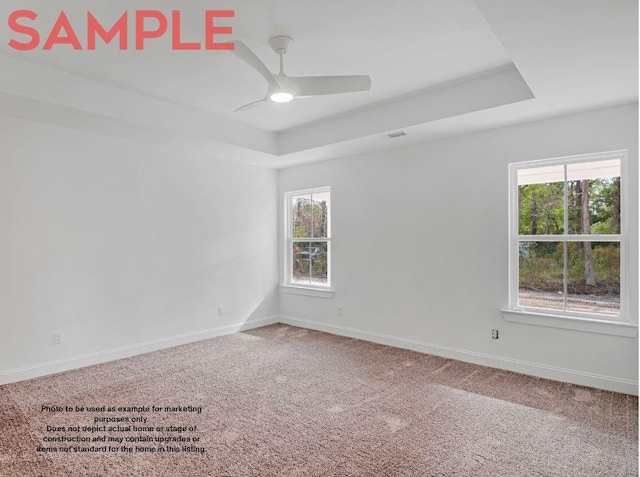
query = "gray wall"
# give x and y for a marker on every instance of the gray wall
(128, 248)
(420, 242)
(125, 247)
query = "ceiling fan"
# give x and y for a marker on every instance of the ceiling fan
(283, 88)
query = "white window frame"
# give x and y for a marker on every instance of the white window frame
(593, 322)
(311, 289)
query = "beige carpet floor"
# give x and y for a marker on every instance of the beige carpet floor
(284, 401)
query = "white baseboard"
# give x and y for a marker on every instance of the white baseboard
(74, 362)
(540, 370)
(524, 367)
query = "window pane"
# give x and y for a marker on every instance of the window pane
(310, 265)
(594, 277)
(301, 262)
(319, 268)
(541, 200)
(301, 216)
(541, 266)
(594, 202)
(320, 215)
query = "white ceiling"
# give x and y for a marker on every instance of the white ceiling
(438, 68)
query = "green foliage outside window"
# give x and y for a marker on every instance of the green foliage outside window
(592, 267)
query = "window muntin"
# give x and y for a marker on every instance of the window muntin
(308, 247)
(566, 236)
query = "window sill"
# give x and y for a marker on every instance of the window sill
(308, 291)
(570, 323)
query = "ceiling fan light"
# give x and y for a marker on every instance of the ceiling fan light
(281, 97)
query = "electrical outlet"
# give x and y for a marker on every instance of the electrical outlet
(340, 310)
(220, 311)
(58, 337)
(494, 334)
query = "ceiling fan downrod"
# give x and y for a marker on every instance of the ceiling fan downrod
(280, 45)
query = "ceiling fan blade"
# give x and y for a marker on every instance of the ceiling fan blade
(249, 106)
(318, 85)
(245, 54)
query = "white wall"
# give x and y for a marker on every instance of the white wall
(420, 249)
(125, 247)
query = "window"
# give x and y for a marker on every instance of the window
(308, 238)
(567, 237)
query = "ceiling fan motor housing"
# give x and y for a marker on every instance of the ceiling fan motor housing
(281, 43)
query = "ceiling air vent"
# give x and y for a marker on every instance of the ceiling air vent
(394, 135)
